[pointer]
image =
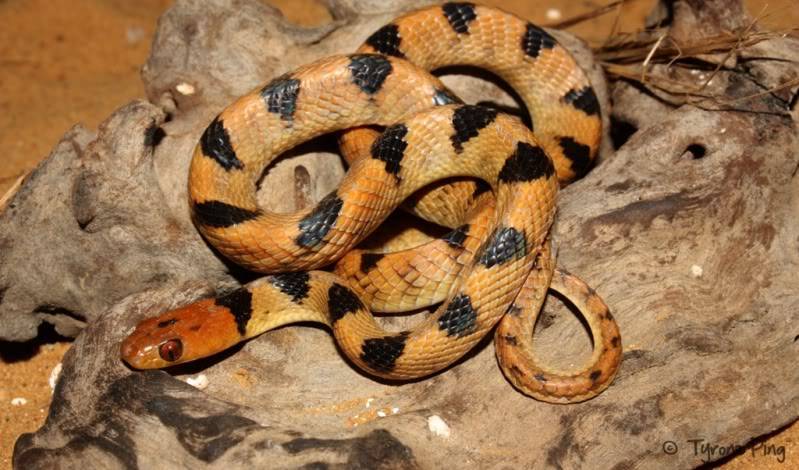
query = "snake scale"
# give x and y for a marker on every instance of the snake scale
(493, 267)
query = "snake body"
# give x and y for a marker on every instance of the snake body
(495, 260)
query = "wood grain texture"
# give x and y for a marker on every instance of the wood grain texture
(695, 256)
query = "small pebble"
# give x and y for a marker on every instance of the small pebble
(134, 34)
(697, 270)
(19, 401)
(199, 382)
(54, 376)
(369, 402)
(381, 413)
(185, 88)
(553, 14)
(437, 426)
(394, 410)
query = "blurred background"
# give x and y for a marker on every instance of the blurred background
(64, 62)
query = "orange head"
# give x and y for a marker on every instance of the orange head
(181, 335)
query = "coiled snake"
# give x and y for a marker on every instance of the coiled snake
(495, 266)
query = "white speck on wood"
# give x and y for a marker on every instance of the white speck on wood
(19, 401)
(54, 376)
(438, 426)
(199, 382)
(185, 88)
(696, 270)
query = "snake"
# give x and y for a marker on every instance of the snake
(490, 271)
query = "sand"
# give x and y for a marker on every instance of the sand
(74, 61)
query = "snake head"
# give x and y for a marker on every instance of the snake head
(192, 332)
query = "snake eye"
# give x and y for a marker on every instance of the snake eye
(171, 350)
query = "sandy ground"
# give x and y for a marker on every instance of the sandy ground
(69, 61)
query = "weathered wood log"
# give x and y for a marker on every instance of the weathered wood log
(689, 232)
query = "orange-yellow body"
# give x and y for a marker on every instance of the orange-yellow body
(498, 245)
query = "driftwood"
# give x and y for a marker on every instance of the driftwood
(689, 232)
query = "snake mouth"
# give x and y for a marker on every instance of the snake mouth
(131, 353)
